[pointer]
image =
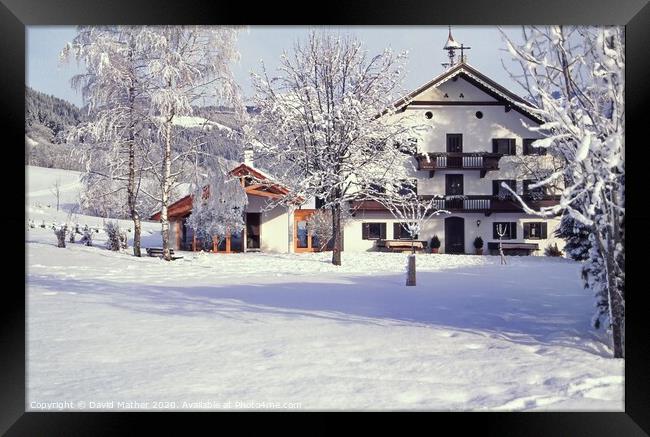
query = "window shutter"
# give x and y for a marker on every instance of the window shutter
(495, 234)
(495, 145)
(382, 231)
(396, 231)
(512, 147)
(495, 188)
(513, 230)
(364, 231)
(526, 230)
(543, 230)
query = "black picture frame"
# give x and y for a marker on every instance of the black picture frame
(15, 15)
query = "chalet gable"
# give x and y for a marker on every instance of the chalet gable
(255, 182)
(475, 87)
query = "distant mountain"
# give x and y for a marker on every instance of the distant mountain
(46, 118)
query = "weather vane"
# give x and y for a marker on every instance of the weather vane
(451, 46)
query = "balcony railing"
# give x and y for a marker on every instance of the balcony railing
(471, 203)
(482, 161)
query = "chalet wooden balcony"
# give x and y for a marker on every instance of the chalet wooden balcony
(482, 161)
(471, 203)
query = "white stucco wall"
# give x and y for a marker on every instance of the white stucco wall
(273, 232)
(273, 226)
(453, 89)
(436, 226)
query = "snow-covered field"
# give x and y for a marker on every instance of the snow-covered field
(257, 331)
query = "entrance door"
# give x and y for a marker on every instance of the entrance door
(455, 235)
(253, 220)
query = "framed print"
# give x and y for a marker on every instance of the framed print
(418, 209)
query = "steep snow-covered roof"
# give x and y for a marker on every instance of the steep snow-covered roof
(478, 79)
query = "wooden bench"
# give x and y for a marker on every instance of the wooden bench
(403, 246)
(158, 251)
(512, 248)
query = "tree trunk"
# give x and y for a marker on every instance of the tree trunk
(131, 190)
(410, 275)
(166, 182)
(336, 234)
(132, 202)
(135, 216)
(618, 323)
(614, 293)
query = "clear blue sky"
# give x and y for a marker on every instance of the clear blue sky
(424, 44)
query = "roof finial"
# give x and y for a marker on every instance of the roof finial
(451, 46)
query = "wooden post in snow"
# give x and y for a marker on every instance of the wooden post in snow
(410, 275)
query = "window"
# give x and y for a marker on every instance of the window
(319, 202)
(454, 143)
(428, 115)
(407, 188)
(479, 114)
(509, 230)
(530, 150)
(375, 188)
(400, 232)
(454, 184)
(535, 230)
(373, 231)
(504, 146)
(501, 192)
(533, 193)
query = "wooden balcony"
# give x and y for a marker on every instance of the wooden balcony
(486, 204)
(482, 161)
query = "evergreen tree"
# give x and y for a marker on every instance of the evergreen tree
(576, 237)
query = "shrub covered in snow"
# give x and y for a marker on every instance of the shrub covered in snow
(73, 232)
(478, 243)
(60, 232)
(116, 238)
(552, 250)
(87, 236)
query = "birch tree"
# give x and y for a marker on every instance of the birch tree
(320, 125)
(187, 65)
(114, 87)
(575, 77)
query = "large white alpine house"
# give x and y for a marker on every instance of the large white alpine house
(478, 137)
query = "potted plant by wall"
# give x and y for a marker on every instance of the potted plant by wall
(478, 245)
(435, 244)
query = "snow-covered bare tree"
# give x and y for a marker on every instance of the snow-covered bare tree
(114, 138)
(575, 78)
(320, 226)
(188, 65)
(56, 191)
(413, 211)
(320, 121)
(218, 201)
(501, 232)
